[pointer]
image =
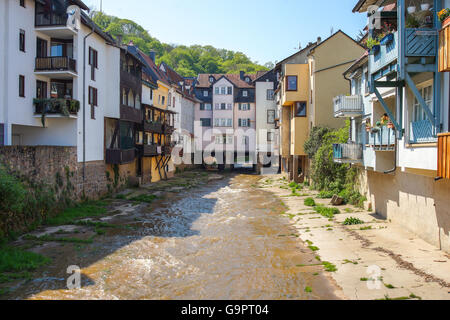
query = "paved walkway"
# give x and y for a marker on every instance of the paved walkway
(405, 266)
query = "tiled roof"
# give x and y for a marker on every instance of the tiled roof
(203, 80)
(152, 70)
(360, 61)
(171, 75)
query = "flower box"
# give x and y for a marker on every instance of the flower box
(387, 39)
(375, 49)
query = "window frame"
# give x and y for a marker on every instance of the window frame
(296, 105)
(287, 83)
(22, 41)
(268, 117)
(21, 86)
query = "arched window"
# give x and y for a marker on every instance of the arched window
(130, 99)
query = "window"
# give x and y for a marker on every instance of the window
(300, 109)
(230, 90)
(229, 106)
(217, 106)
(173, 104)
(205, 93)
(2, 134)
(22, 40)
(244, 106)
(205, 122)
(22, 86)
(151, 94)
(22, 3)
(163, 101)
(245, 93)
(223, 90)
(93, 62)
(41, 90)
(223, 106)
(418, 112)
(357, 83)
(93, 96)
(223, 122)
(247, 79)
(291, 83)
(211, 79)
(41, 48)
(217, 90)
(269, 136)
(205, 106)
(244, 122)
(366, 77)
(270, 94)
(271, 116)
(169, 99)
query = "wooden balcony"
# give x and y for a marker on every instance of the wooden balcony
(56, 64)
(118, 156)
(380, 61)
(168, 129)
(444, 50)
(382, 139)
(348, 153)
(148, 150)
(421, 43)
(130, 114)
(444, 155)
(348, 106)
(155, 127)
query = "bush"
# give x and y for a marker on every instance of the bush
(353, 221)
(12, 193)
(310, 202)
(327, 212)
(325, 195)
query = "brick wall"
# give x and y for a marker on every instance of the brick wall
(48, 164)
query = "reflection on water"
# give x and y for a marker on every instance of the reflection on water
(221, 241)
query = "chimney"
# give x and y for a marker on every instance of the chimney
(319, 40)
(152, 55)
(242, 74)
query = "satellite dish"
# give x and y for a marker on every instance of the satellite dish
(73, 17)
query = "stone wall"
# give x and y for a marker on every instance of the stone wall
(56, 165)
(416, 202)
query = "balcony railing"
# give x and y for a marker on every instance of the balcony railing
(56, 64)
(131, 114)
(348, 153)
(421, 42)
(348, 106)
(119, 156)
(65, 107)
(388, 53)
(382, 139)
(444, 155)
(149, 150)
(168, 129)
(130, 79)
(156, 127)
(421, 132)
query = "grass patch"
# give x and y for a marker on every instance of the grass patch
(366, 228)
(389, 286)
(353, 221)
(329, 267)
(144, 198)
(326, 211)
(83, 210)
(56, 239)
(17, 264)
(308, 290)
(346, 261)
(313, 248)
(310, 202)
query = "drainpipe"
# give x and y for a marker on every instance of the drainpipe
(84, 106)
(393, 170)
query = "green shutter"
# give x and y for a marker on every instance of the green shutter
(248, 122)
(239, 123)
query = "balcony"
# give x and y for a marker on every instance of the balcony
(130, 114)
(119, 156)
(382, 139)
(155, 127)
(421, 43)
(56, 67)
(130, 80)
(421, 132)
(168, 129)
(148, 150)
(348, 153)
(444, 155)
(57, 107)
(348, 106)
(382, 60)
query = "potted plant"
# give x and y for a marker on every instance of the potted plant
(368, 125)
(387, 35)
(391, 125)
(444, 17)
(384, 120)
(373, 45)
(412, 22)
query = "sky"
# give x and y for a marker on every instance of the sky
(264, 30)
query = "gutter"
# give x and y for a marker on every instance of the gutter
(84, 107)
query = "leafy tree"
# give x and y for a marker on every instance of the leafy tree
(187, 61)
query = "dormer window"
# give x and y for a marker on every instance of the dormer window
(211, 79)
(247, 79)
(245, 93)
(205, 93)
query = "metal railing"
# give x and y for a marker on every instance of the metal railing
(346, 106)
(349, 152)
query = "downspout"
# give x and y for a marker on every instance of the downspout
(84, 107)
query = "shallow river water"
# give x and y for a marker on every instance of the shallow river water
(224, 240)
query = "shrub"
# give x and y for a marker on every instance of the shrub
(353, 221)
(327, 212)
(325, 195)
(310, 202)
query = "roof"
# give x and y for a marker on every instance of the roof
(91, 24)
(332, 36)
(171, 75)
(80, 4)
(309, 46)
(235, 79)
(358, 63)
(363, 5)
(150, 68)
